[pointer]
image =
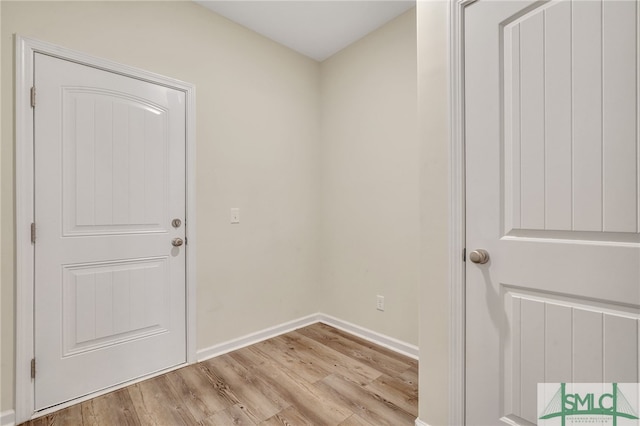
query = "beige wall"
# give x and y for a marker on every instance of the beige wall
(433, 89)
(257, 149)
(369, 168)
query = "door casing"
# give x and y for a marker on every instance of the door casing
(24, 193)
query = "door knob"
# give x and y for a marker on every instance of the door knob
(479, 256)
(177, 242)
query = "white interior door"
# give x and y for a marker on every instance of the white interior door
(553, 162)
(109, 180)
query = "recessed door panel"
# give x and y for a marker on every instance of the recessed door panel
(110, 303)
(115, 160)
(570, 112)
(552, 339)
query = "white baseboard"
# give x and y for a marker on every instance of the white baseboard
(420, 423)
(372, 336)
(8, 418)
(250, 339)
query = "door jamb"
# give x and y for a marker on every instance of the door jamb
(25, 50)
(457, 218)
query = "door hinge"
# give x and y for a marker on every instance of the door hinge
(33, 97)
(33, 368)
(33, 233)
(464, 254)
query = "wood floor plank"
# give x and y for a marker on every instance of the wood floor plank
(234, 415)
(410, 376)
(249, 389)
(201, 397)
(329, 359)
(386, 353)
(363, 342)
(68, 416)
(290, 356)
(372, 407)
(219, 384)
(287, 417)
(363, 353)
(312, 403)
(40, 421)
(114, 408)
(355, 420)
(313, 376)
(397, 391)
(157, 404)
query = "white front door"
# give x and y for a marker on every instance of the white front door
(552, 183)
(109, 180)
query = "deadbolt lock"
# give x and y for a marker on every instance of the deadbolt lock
(176, 223)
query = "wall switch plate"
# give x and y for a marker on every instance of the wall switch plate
(380, 303)
(235, 215)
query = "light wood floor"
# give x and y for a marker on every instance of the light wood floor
(316, 375)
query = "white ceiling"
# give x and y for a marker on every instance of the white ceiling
(317, 29)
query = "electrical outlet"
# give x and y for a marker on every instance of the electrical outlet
(380, 303)
(235, 215)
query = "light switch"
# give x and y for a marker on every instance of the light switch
(235, 215)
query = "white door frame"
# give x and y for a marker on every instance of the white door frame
(24, 187)
(457, 218)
